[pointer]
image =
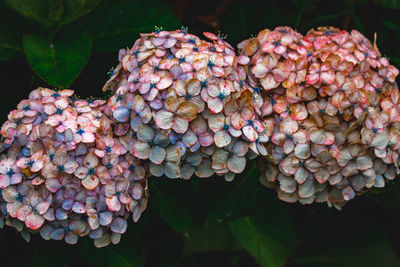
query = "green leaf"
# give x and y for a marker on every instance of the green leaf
(302, 4)
(12, 28)
(168, 201)
(245, 196)
(58, 63)
(234, 199)
(269, 239)
(73, 9)
(389, 199)
(209, 238)
(44, 12)
(9, 45)
(54, 258)
(396, 60)
(117, 24)
(261, 223)
(106, 257)
(241, 20)
(325, 19)
(358, 24)
(50, 12)
(393, 4)
(391, 24)
(347, 243)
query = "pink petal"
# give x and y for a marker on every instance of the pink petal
(289, 126)
(15, 179)
(23, 211)
(216, 122)
(70, 166)
(34, 221)
(91, 160)
(53, 185)
(164, 119)
(321, 176)
(380, 141)
(287, 166)
(37, 165)
(214, 105)
(90, 182)
(301, 175)
(364, 163)
(22, 163)
(222, 139)
(165, 82)
(88, 137)
(328, 77)
(42, 207)
(312, 78)
(237, 120)
(302, 151)
(236, 164)
(206, 139)
(317, 136)
(180, 125)
(268, 82)
(4, 181)
(250, 133)
(287, 184)
(240, 148)
(157, 155)
(137, 191)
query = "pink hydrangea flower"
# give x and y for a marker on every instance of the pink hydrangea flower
(9, 173)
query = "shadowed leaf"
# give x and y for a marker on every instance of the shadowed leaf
(208, 238)
(59, 62)
(353, 243)
(169, 203)
(57, 257)
(117, 24)
(9, 45)
(393, 4)
(270, 239)
(107, 256)
(50, 12)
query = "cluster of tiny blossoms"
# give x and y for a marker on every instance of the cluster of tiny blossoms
(64, 173)
(331, 107)
(322, 111)
(182, 107)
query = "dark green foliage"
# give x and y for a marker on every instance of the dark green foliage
(51, 13)
(58, 62)
(269, 240)
(393, 4)
(108, 256)
(117, 25)
(357, 244)
(201, 222)
(59, 44)
(173, 208)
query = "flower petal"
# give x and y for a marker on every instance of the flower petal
(121, 114)
(119, 225)
(236, 164)
(34, 221)
(157, 155)
(164, 119)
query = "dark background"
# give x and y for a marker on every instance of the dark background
(206, 222)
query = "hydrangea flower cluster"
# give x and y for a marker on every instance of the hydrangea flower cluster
(331, 106)
(183, 107)
(322, 111)
(64, 173)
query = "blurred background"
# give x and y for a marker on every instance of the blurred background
(201, 222)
